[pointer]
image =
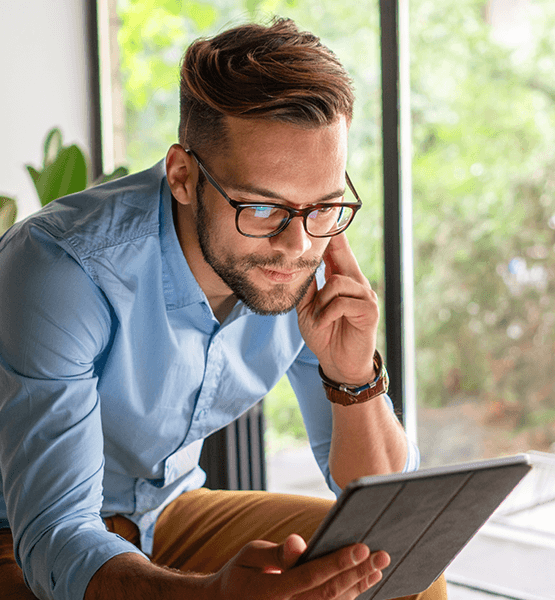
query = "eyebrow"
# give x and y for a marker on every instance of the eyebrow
(264, 193)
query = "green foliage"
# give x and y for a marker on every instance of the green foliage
(64, 171)
(8, 213)
(282, 413)
(483, 182)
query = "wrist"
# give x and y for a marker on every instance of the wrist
(132, 577)
(348, 394)
(336, 379)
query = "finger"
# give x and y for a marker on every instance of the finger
(316, 573)
(364, 576)
(354, 310)
(339, 286)
(270, 557)
(380, 560)
(292, 549)
(262, 555)
(340, 259)
(346, 585)
(365, 584)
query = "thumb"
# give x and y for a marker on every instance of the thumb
(292, 549)
(269, 557)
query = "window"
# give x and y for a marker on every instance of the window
(483, 115)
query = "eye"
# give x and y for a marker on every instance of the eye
(262, 212)
(322, 211)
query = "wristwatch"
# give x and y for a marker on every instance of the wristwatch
(346, 395)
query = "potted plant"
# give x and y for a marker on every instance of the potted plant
(64, 171)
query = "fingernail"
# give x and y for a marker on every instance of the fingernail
(374, 562)
(360, 553)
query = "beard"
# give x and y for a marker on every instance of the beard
(234, 271)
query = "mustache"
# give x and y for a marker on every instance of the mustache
(279, 262)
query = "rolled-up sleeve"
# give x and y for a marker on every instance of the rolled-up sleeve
(317, 414)
(54, 324)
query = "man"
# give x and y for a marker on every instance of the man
(140, 316)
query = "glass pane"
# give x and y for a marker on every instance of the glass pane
(152, 41)
(483, 103)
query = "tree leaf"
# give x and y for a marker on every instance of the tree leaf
(252, 6)
(202, 15)
(174, 7)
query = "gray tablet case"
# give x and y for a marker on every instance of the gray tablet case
(422, 519)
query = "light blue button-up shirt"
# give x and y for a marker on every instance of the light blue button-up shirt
(113, 369)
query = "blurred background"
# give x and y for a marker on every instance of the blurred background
(481, 151)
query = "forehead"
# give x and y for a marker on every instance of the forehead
(286, 159)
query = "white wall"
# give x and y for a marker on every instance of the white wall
(43, 83)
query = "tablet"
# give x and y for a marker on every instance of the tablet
(422, 519)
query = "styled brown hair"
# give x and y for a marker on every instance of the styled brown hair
(255, 71)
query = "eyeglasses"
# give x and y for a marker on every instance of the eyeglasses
(264, 220)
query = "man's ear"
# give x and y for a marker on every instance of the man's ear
(181, 174)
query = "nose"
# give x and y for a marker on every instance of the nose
(293, 241)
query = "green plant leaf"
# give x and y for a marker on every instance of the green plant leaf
(66, 175)
(35, 175)
(8, 213)
(52, 146)
(116, 174)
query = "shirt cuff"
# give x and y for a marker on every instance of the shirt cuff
(75, 564)
(413, 457)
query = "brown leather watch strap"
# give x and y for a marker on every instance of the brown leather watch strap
(345, 395)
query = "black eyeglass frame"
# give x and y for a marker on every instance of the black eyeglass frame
(293, 212)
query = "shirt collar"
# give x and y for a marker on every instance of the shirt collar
(180, 286)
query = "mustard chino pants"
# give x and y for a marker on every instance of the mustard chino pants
(201, 530)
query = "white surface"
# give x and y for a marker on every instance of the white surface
(296, 471)
(43, 78)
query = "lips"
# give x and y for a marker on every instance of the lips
(279, 276)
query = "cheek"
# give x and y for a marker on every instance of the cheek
(319, 245)
(231, 243)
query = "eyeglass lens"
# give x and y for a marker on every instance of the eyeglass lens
(263, 220)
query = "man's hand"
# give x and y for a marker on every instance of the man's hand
(339, 322)
(263, 570)
(260, 571)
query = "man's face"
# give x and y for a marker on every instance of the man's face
(269, 162)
